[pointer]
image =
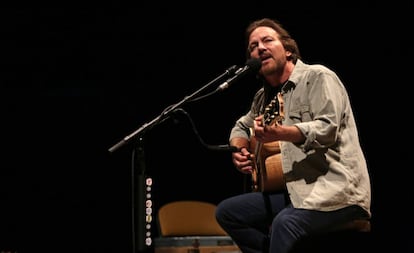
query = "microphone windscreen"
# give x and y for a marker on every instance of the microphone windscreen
(254, 64)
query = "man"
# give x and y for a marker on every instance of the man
(306, 111)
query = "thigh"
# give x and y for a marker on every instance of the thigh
(312, 221)
(254, 208)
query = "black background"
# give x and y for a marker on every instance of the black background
(76, 80)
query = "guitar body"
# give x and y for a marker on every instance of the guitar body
(267, 174)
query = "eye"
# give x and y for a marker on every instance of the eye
(267, 40)
(252, 47)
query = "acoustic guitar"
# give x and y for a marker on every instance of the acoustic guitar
(267, 174)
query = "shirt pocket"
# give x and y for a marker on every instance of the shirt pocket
(300, 114)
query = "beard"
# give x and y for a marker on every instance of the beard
(273, 67)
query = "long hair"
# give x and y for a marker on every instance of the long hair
(287, 41)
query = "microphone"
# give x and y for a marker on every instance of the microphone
(252, 65)
(231, 70)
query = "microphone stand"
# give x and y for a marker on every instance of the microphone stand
(140, 182)
(168, 110)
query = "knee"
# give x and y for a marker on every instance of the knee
(225, 212)
(282, 224)
(220, 211)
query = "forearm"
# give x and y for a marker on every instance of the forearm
(291, 134)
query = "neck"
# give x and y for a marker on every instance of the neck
(278, 78)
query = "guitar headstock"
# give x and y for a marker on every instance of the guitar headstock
(273, 112)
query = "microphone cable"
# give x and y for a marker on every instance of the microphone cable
(223, 147)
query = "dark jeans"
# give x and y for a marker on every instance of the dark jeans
(260, 222)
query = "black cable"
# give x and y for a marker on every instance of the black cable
(223, 147)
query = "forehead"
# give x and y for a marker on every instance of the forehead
(261, 32)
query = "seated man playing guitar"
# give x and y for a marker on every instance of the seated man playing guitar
(299, 142)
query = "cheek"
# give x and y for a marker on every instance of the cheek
(254, 54)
